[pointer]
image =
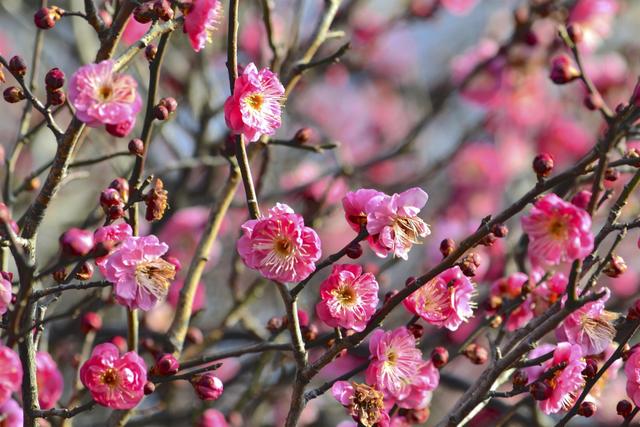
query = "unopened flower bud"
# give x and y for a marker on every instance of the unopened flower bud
(478, 355)
(136, 147)
(274, 324)
(163, 9)
(581, 199)
(85, 271)
(207, 386)
(439, 357)
(624, 408)
(120, 342)
(543, 165)
(634, 311)
(54, 79)
(144, 13)
(310, 333)
(76, 242)
(56, 97)
(90, 322)
(500, 230)
(390, 295)
(593, 101)
(587, 409)
(160, 112)
(303, 135)
(122, 185)
(115, 212)
(488, 240)
(13, 94)
(447, 246)
(110, 197)
(575, 33)
(611, 174)
(416, 330)
(167, 364)
(45, 18)
(616, 267)
(194, 335)
(17, 66)
(591, 368)
(150, 52)
(354, 250)
(149, 388)
(562, 70)
(540, 390)
(60, 275)
(519, 379)
(469, 264)
(169, 103)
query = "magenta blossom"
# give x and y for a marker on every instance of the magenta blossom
(49, 378)
(365, 404)
(5, 294)
(110, 236)
(558, 231)
(201, 19)
(394, 224)
(11, 414)
(348, 297)
(212, 418)
(355, 205)
(395, 362)
(444, 301)
(10, 373)
(255, 108)
(103, 97)
(566, 382)
(140, 276)
(279, 245)
(590, 327)
(114, 381)
(632, 369)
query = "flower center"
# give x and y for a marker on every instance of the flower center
(155, 276)
(283, 247)
(345, 295)
(408, 230)
(558, 228)
(392, 358)
(255, 101)
(361, 218)
(110, 377)
(104, 92)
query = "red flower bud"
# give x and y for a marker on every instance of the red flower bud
(416, 330)
(500, 230)
(120, 342)
(76, 242)
(122, 185)
(91, 322)
(46, 17)
(207, 386)
(149, 388)
(56, 97)
(85, 271)
(13, 94)
(439, 357)
(575, 33)
(160, 112)
(303, 135)
(540, 391)
(581, 199)
(587, 409)
(447, 246)
(354, 250)
(624, 408)
(54, 79)
(478, 355)
(150, 52)
(17, 66)
(562, 70)
(616, 267)
(169, 103)
(543, 165)
(110, 197)
(167, 364)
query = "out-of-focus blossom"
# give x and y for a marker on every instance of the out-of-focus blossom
(114, 381)
(510, 287)
(255, 108)
(595, 18)
(134, 31)
(485, 84)
(632, 370)
(459, 7)
(5, 294)
(549, 292)
(558, 231)
(590, 327)
(207, 386)
(11, 414)
(110, 236)
(279, 245)
(212, 418)
(394, 224)
(327, 190)
(444, 301)
(564, 139)
(140, 276)
(101, 96)
(49, 379)
(478, 166)
(10, 373)
(199, 299)
(201, 21)
(348, 297)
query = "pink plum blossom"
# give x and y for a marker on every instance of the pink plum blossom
(49, 379)
(458, 7)
(140, 276)
(114, 381)
(255, 108)
(110, 236)
(595, 18)
(394, 224)
(101, 96)
(348, 297)
(201, 19)
(632, 369)
(5, 293)
(356, 203)
(484, 87)
(199, 299)
(10, 373)
(422, 384)
(444, 301)
(279, 245)
(558, 231)
(510, 287)
(11, 414)
(212, 418)
(395, 362)
(590, 327)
